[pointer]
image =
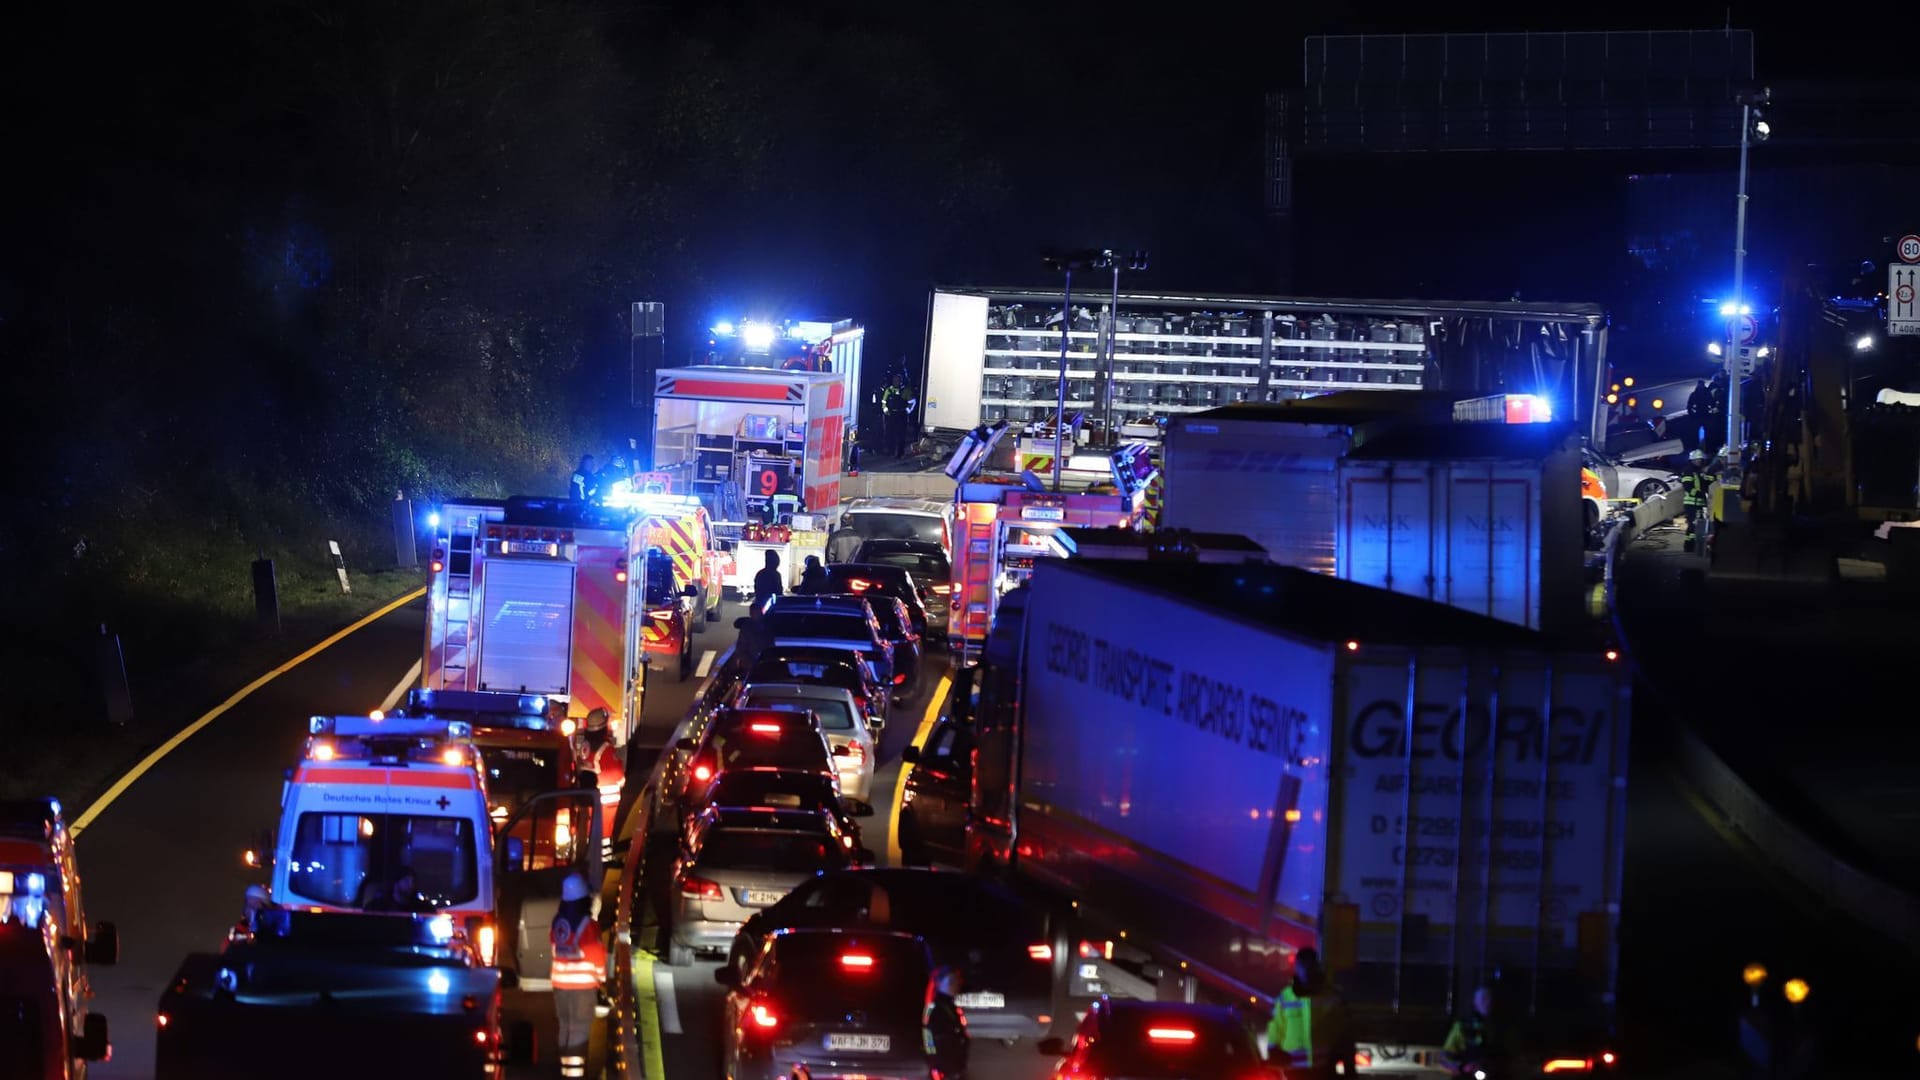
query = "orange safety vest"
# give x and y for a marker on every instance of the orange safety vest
(579, 959)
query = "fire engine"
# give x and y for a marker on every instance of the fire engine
(1004, 520)
(46, 945)
(540, 596)
(685, 570)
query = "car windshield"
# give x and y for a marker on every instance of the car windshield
(823, 624)
(783, 790)
(775, 851)
(927, 566)
(882, 525)
(359, 860)
(1127, 1045)
(834, 713)
(518, 773)
(887, 980)
(660, 591)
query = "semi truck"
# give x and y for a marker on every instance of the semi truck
(1214, 765)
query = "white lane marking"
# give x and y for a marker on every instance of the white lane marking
(400, 691)
(663, 988)
(706, 664)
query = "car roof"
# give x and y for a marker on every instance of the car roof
(869, 569)
(830, 604)
(763, 819)
(816, 691)
(899, 504)
(889, 543)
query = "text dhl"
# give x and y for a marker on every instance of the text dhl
(1566, 736)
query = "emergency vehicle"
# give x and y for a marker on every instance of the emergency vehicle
(539, 596)
(685, 571)
(40, 895)
(45, 1033)
(1003, 521)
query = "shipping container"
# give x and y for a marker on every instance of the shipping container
(1219, 765)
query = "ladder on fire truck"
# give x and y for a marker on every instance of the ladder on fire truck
(462, 539)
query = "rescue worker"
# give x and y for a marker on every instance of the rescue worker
(1472, 1046)
(599, 756)
(586, 479)
(894, 408)
(813, 578)
(842, 544)
(1309, 1034)
(248, 924)
(579, 965)
(768, 583)
(945, 1026)
(1695, 484)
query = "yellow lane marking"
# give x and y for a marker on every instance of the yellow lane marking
(121, 785)
(648, 1000)
(906, 770)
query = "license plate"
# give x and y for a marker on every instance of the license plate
(763, 897)
(982, 1000)
(875, 1044)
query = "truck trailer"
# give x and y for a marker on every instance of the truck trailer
(1216, 765)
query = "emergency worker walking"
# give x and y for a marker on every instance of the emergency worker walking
(1695, 484)
(1473, 1044)
(842, 544)
(945, 1026)
(599, 756)
(579, 964)
(1309, 1033)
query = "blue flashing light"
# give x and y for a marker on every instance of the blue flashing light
(723, 328)
(433, 519)
(54, 805)
(437, 982)
(440, 928)
(757, 336)
(1728, 309)
(36, 884)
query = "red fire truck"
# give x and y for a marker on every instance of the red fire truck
(1004, 520)
(540, 596)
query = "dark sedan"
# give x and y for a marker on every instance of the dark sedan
(865, 579)
(933, 808)
(926, 560)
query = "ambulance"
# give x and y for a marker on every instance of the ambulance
(540, 596)
(685, 576)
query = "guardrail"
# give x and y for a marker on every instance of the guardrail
(1841, 885)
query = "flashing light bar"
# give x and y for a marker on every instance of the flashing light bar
(1504, 409)
(418, 727)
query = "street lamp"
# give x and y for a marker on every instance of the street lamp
(1067, 262)
(1753, 126)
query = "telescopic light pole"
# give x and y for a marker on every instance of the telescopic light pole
(1751, 125)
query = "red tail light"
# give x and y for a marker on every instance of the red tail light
(703, 772)
(700, 888)
(763, 1015)
(899, 677)
(1362, 1059)
(1096, 950)
(856, 961)
(439, 560)
(620, 571)
(762, 728)
(1560, 1065)
(1040, 952)
(1182, 1036)
(859, 585)
(855, 751)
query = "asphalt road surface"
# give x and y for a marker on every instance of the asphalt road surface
(163, 861)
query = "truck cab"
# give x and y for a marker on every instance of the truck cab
(40, 897)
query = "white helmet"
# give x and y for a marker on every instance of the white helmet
(1697, 457)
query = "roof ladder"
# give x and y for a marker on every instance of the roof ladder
(464, 546)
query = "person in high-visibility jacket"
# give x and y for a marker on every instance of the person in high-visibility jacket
(599, 756)
(1309, 1033)
(579, 965)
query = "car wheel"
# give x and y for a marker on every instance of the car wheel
(679, 955)
(1650, 489)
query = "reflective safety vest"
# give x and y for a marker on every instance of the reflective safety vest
(579, 959)
(1694, 487)
(1294, 1030)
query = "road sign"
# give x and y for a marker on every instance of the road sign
(1909, 248)
(1749, 329)
(1903, 314)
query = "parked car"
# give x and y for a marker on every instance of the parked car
(827, 1003)
(840, 719)
(925, 561)
(1001, 945)
(735, 862)
(1628, 481)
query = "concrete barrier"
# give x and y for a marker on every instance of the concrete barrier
(1841, 885)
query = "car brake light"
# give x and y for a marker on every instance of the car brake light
(1096, 950)
(855, 751)
(700, 889)
(1560, 1065)
(764, 729)
(486, 939)
(858, 585)
(480, 1036)
(856, 961)
(1170, 1035)
(702, 772)
(1040, 952)
(1606, 1057)
(764, 1016)
(899, 677)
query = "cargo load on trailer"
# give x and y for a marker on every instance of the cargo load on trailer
(1224, 764)
(540, 596)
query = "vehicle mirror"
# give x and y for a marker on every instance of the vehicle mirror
(856, 807)
(687, 745)
(1053, 1046)
(726, 976)
(519, 1040)
(516, 854)
(91, 1044)
(843, 750)
(690, 590)
(911, 755)
(104, 947)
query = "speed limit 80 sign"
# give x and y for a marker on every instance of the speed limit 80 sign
(1909, 248)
